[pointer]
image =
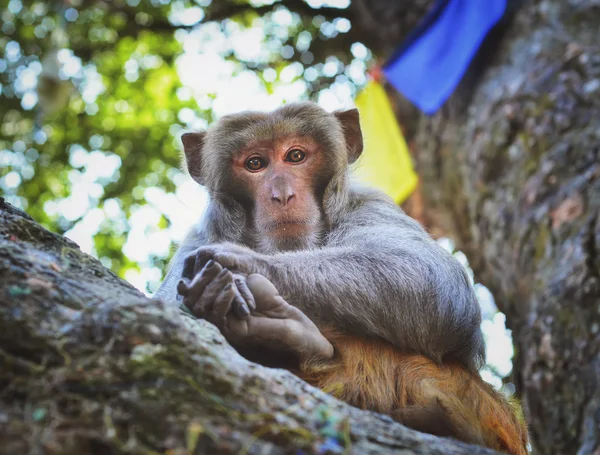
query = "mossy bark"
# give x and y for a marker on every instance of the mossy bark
(88, 365)
(510, 169)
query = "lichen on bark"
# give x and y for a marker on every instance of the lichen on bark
(510, 169)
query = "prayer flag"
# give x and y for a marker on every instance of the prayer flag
(433, 59)
(385, 162)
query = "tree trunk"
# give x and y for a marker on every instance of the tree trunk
(511, 170)
(88, 365)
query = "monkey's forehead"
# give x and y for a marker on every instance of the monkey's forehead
(236, 131)
(290, 110)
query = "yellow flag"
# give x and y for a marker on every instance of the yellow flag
(385, 162)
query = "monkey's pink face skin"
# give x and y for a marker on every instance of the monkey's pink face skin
(284, 178)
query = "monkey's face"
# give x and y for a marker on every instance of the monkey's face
(287, 169)
(283, 180)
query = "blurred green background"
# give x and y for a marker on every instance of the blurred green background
(95, 95)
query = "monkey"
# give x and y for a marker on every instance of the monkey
(389, 319)
(446, 400)
(343, 254)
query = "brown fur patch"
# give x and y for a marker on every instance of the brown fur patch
(446, 399)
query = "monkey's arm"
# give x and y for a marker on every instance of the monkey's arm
(384, 275)
(419, 303)
(380, 275)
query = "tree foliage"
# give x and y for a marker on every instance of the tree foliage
(94, 96)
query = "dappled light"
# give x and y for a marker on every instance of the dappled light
(182, 276)
(177, 272)
(95, 97)
(93, 109)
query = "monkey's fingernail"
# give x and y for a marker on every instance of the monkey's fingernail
(228, 286)
(182, 287)
(243, 309)
(210, 263)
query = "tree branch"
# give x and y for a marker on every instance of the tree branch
(89, 362)
(222, 10)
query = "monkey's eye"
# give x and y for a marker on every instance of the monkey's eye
(255, 163)
(295, 156)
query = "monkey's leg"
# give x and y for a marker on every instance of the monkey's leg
(434, 419)
(427, 419)
(445, 400)
(363, 372)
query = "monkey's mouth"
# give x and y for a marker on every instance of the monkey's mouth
(288, 224)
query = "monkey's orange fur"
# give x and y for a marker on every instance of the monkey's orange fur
(447, 399)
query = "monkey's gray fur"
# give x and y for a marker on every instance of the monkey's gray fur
(372, 270)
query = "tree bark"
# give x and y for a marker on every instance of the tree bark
(511, 170)
(88, 365)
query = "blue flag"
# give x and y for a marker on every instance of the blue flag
(433, 59)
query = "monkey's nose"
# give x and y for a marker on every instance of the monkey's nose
(283, 199)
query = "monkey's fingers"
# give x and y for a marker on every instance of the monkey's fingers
(188, 267)
(245, 293)
(187, 275)
(222, 305)
(239, 306)
(202, 256)
(205, 304)
(201, 280)
(183, 286)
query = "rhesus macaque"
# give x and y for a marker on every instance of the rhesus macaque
(290, 258)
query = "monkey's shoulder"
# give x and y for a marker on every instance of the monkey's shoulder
(375, 207)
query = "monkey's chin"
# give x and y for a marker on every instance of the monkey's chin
(296, 243)
(290, 237)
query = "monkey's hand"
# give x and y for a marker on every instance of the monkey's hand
(233, 257)
(273, 323)
(206, 291)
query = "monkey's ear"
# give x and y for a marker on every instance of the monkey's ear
(352, 134)
(192, 146)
